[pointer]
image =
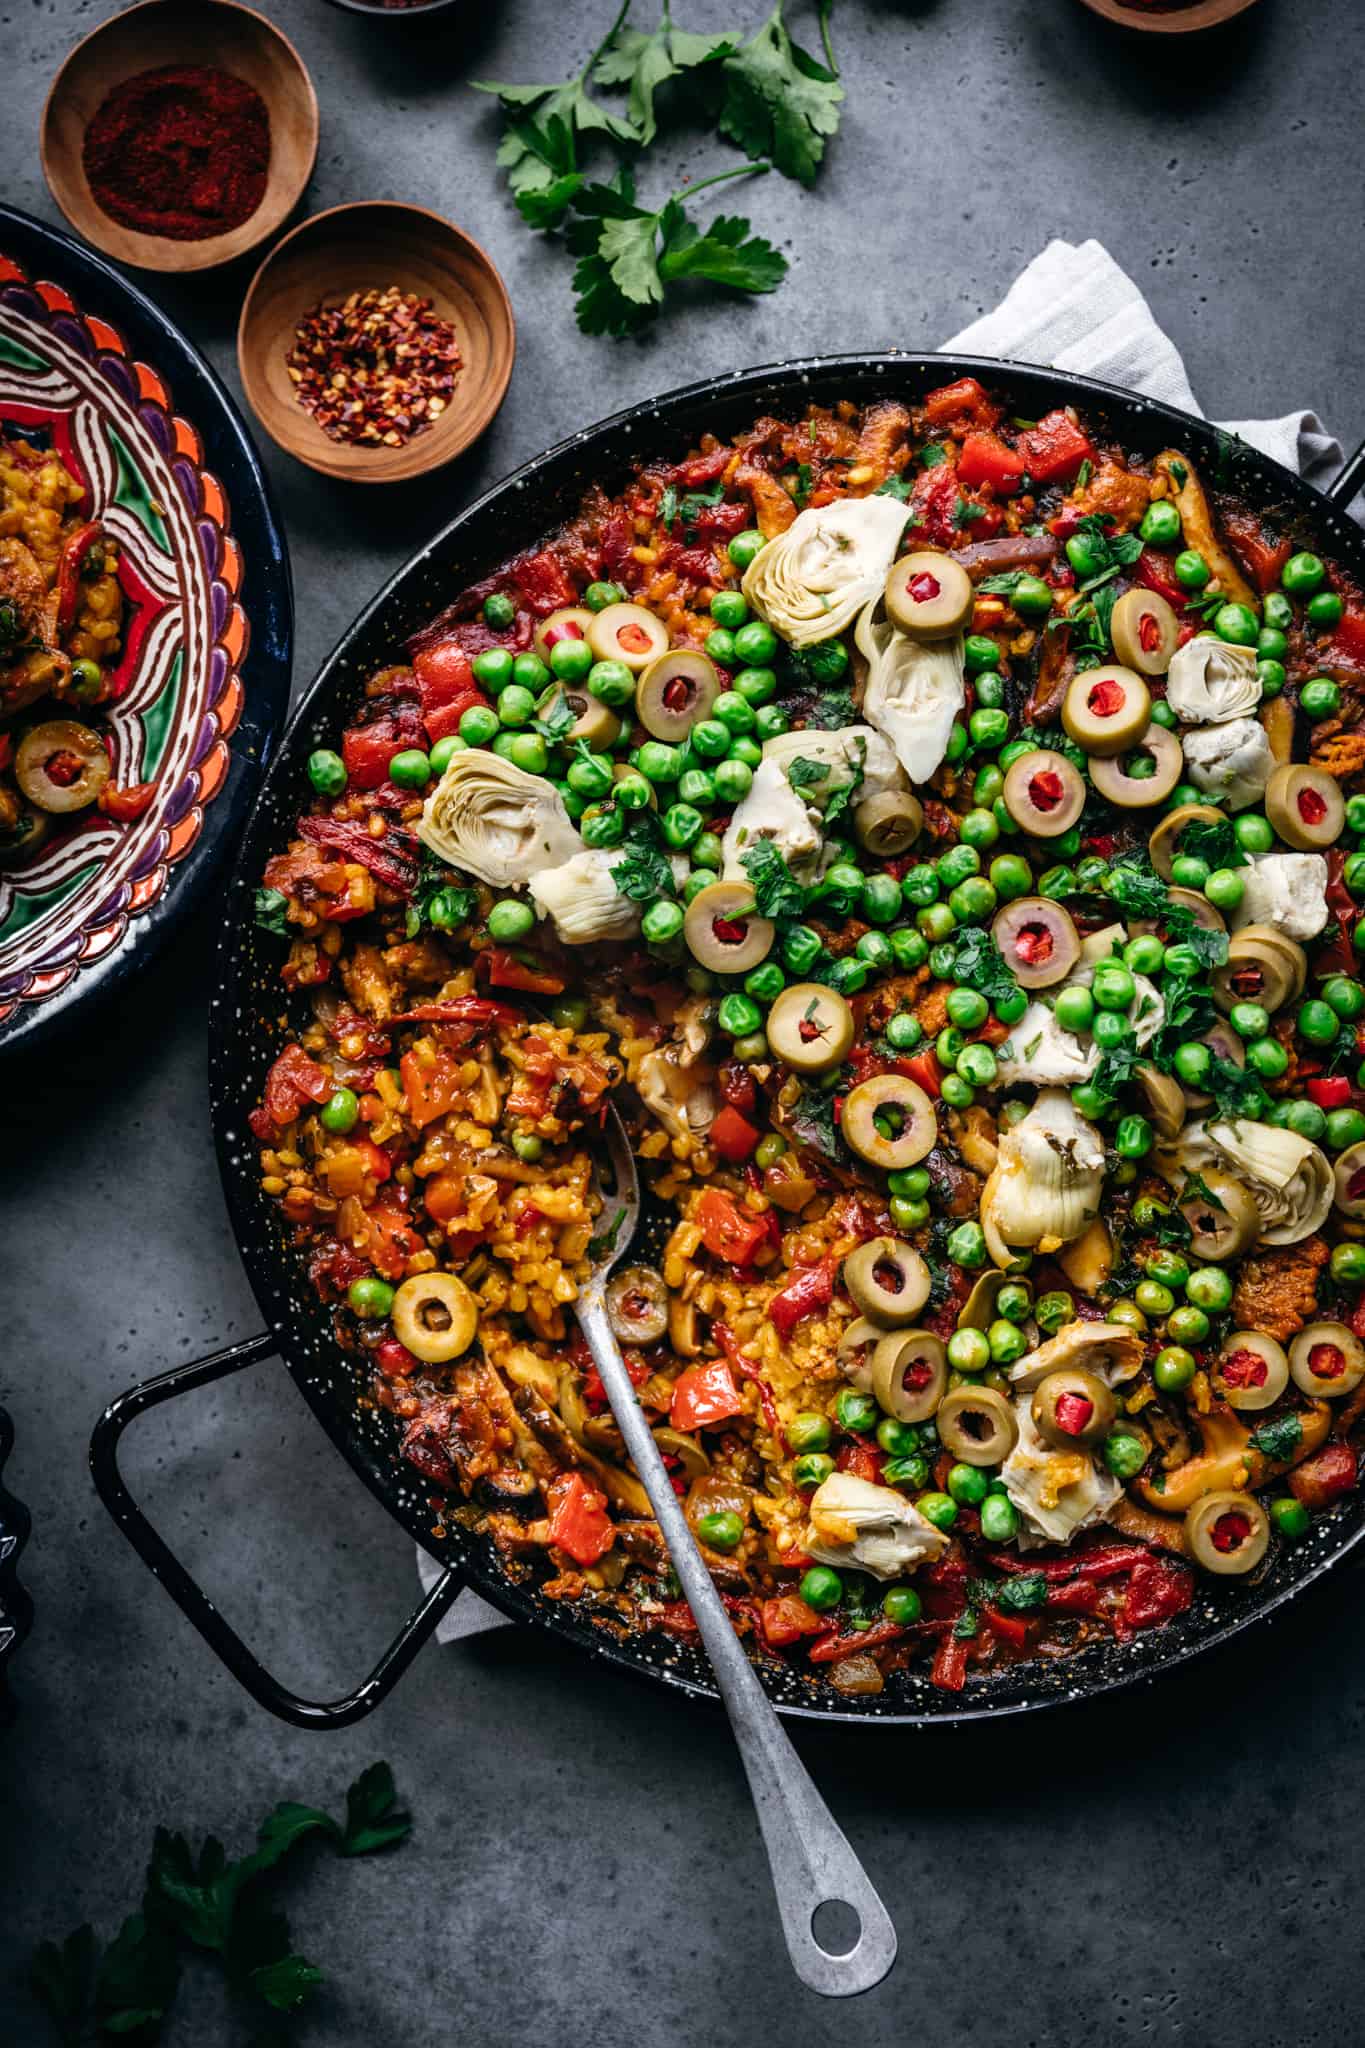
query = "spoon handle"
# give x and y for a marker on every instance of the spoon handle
(810, 1858)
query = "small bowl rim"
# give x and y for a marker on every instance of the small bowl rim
(377, 12)
(1185, 20)
(210, 252)
(340, 466)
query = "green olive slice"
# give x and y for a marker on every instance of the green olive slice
(978, 1311)
(888, 1281)
(1165, 1100)
(860, 1339)
(1072, 1406)
(1326, 1361)
(910, 1374)
(928, 595)
(1144, 773)
(1145, 632)
(570, 622)
(592, 721)
(628, 633)
(1305, 805)
(888, 823)
(61, 766)
(1106, 709)
(1227, 1532)
(1251, 1371)
(637, 1305)
(1164, 844)
(977, 1425)
(889, 1121)
(435, 1316)
(621, 769)
(676, 1443)
(1262, 966)
(27, 836)
(675, 692)
(723, 931)
(1038, 941)
(1044, 793)
(809, 1027)
(1350, 1179)
(1225, 1232)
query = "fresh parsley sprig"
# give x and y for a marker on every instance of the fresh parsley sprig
(642, 63)
(780, 102)
(628, 256)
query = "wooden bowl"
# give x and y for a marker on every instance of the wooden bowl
(350, 248)
(1168, 21)
(159, 32)
(379, 12)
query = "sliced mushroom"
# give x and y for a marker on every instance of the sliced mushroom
(1164, 844)
(1222, 1214)
(1262, 967)
(1196, 520)
(1038, 941)
(886, 825)
(888, 1281)
(1251, 1371)
(1165, 1100)
(637, 1305)
(1145, 631)
(978, 1311)
(1228, 1532)
(977, 1425)
(675, 693)
(724, 932)
(928, 595)
(61, 765)
(910, 1374)
(628, 633)
(1326, 1361)
(889, 1121)
(1106, 710)
(1044, 793)
(810, 1027)
(1143, 774)
(1306, 806)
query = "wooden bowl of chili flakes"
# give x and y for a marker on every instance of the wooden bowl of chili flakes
(164, 84)
(376, 342)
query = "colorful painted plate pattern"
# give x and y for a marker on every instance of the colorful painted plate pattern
(68, 378)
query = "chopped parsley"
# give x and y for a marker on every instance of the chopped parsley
(1012, 1596)
(646, 871)
(804, 774)
(812, 1124)
(1278, 1440)
(978, 964)
(269, 912)
(777, 893)
(895, 487)
(1217, 843)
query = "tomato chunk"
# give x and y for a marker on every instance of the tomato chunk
(704, 1394)
(986, 459)
(726, 1231)
(579, 1522)
(733, 1137)
(1055, 448)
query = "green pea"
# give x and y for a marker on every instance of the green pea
(907, 1213)
(447, 910)
(735, 713)
(1190, 569)
(738, 1014)
(510, 920)
(903, 1032)
(493, 668)
(980, 653)
(1011, 1007)
(968, 1485)
(1007, 1342)
(479, 725)
(756, 644)
(696, 787)
(875, 948)
(1087, 555)
(825, 664)
(1031, 598)
(598, 596)
(1225, 888)
(632, 793)
(744, 546)
(1187, 1325)
(662, 922)
(682, 825)
(966, 1244)
(1344, 1127)
(339, 1112)
(1348, 1264)
(1173, 1368)
(976, 1064)
(611, 682)
(856, 1412)
(909, 1180)
(659, 762)
(444, 752)
(801, 948)
(999, 1519)
(1303, 574)
(529, 751)
(1092, 1101)
(729, 608)
(1320, 698)
(327, 772)
(87, 679)
(710, 739)
(989, 729)
(744, 747)
(1011, 876)
(1153, 1298)
(979, 829)
(1306, 1120)
(880, 899)
(1272, 644)
(938, 1508)
(770, 721)
(910, 948)
(1237, 623)
(821, 1588)
(972, 901)
(720, 645)
(809, 1431)
(1112, 1029)
(1183, 961)
(1113, 986)
(590, 775)
(1290, 1517)
(902, 1604)
(1188, 871)
(733, 781)
(810, 1471)
(499, 611)
(602, 825)
(765, 983)
(751, 1048)
(1253, 832)
(847, 977)
(722, 1529)
(1134, 1137)
(1193, 1063)
(1318, 1022)
(897, 1439)
(1145, 954)
(920, 885)
(1160, 526)
(987, 787)
(990, 690)
(755, 685)
(1124, 1454)
(1052, 1311)
(967, 1008)
(370, 1297)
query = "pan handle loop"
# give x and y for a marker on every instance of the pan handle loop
(190, 1598)
(1349, 479)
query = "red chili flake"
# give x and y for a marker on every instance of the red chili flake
(376, 369)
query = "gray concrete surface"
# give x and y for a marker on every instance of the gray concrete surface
(1181, 1865)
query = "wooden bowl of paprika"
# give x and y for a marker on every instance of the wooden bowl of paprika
(1168, 17)
(376, 342)
(180, 134)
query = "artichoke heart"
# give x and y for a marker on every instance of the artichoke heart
(1048, 1183)
(811, 581)
(582, 899)
(1289, 1179)
(491, 819)
(1211, 681)
(1057, 1493)
(790, 814)
(854, 1522)
(915, 689)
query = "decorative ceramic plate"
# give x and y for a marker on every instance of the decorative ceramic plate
(92, 369)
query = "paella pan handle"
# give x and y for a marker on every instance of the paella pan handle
(1349, 479)
(190, 1598)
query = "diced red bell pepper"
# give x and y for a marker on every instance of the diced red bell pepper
(924, 1068)
(1328, 1475)
(367, 751)
(1329, 1091)
(966, 399)
(126, 803)
(1348, 641)
(834, 1648)
(949, 1668)
(811, 1289)
(1055, 448)
(738, 1087)
(293, 1080)
(727, 1231)
(1157, 1592)
(1010, 1628)
(1156, 571)
(394, 1360)
(509, 970)
(390, 1239)
(443, 672)
(378, 1164)
(431, 1086)
(480, 1011)
(544, 582)
(442, 720)
(579, 1522)
(703, 1395)
(733, 1137)
(1082, 1596)
(861, 1460)
(786, 1619)
(933, 505)
(986, 459)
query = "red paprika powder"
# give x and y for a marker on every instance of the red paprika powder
(183, 151)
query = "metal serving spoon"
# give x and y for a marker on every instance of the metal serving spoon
(809, 1856)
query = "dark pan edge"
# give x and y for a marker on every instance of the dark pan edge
(237, 1057)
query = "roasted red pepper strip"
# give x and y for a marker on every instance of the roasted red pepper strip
(506, 970)
(766, 1399)
(1079, 1596)
(949, 1668)
(727, 1231)
(812, 1289)
(924, 1068)
(704, 1394)
(1157, 1592)
(293, 1080)
(964, 400)
(733, 1137)
(1010, 1628)
(786, 1619)
(833, 1649)
(462, 1010)
(1329, 1091)
(392, 860)
(69, 572)
(986, 459)
(579, 1522)
(1156, 572)
(1106, 1561)
(1325, 1477)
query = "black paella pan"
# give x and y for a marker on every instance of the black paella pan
(244, 1033)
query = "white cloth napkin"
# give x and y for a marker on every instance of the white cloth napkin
(1074, 309)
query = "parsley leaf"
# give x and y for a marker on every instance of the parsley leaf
(780, 102)
(1217, 843)
(605, 1240)
(894, 487)
(1236, 1092)
(1003, 584)
(978, 964)
(433, 879)
(268, 910)
(374, 1819)
(643, 63)
(932, 454)
(628, 256)
(1012, 1596)
(534, 152)
(811, 1122)
(645, 872)
(777, 893)
(832, 711)
(543, 152)
(1279, 1440)
(803, 774)
(843, 796)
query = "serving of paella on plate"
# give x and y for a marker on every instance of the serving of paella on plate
(932, 828)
